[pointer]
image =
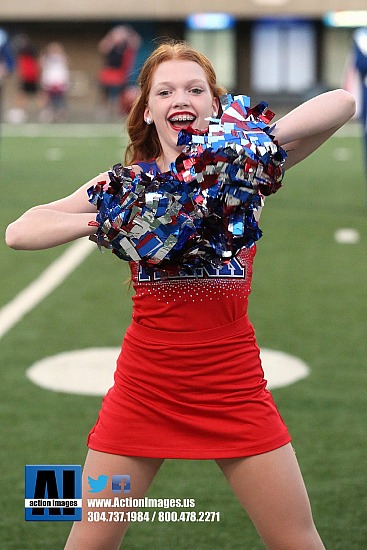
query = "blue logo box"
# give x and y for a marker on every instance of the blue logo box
(53, 492)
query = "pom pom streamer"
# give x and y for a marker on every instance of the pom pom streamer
(204, 210)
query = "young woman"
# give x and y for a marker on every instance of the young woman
(197, 390)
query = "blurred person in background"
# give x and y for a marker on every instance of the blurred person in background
(360, 61)
(55, 81)
(355, 80)
(7, 61)
(118, 49)
(28, 73)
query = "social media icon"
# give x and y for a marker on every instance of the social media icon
(121, 483)
(97, 485)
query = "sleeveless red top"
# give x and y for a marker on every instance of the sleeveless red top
(212, 298)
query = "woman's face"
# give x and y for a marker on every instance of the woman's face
(180, 96)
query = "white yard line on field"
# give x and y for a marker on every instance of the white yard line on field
(100, 130)
(70, 130)
(41, 287)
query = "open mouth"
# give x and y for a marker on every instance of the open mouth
(180, 121)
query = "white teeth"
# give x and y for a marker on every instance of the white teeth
(181, 118)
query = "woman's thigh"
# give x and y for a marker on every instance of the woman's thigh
(270, 487)
(99, 534)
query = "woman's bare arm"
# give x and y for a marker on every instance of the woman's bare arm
(55, 223)
(304, 129)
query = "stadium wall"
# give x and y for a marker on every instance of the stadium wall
(34, 10)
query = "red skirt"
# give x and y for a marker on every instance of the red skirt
(189, 395)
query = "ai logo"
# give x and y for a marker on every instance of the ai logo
(53, 493)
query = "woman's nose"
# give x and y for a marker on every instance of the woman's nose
(181, 99)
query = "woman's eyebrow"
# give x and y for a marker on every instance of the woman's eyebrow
(188, 83)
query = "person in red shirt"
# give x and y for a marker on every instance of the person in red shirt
(119, 49)
(28, 74)
(189, 382)
(28, 66)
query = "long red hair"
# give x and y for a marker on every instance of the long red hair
(144, 143)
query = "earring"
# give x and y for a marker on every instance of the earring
(148, 120)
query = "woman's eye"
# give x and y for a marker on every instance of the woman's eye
(197, 91)
(163, 93)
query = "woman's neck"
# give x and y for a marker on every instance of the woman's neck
(165, 160)
(163, 164)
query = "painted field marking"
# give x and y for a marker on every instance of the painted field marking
(90, 371)
(347, 235)
(50, 278)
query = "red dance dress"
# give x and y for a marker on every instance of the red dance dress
(189, 382)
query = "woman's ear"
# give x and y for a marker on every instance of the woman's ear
(147, 117)
(215, 106)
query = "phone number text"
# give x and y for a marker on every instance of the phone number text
(151, 516)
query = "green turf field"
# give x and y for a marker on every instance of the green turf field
(309, 299)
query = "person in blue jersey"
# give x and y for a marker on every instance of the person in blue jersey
(7, 62)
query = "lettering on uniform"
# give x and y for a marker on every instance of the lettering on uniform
(232, 270)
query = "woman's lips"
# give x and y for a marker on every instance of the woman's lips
(181, 127)
(180, 121)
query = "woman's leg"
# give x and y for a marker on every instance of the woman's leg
(99, 535)
(271, 489)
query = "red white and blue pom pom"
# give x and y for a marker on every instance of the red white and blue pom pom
(203, 209)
